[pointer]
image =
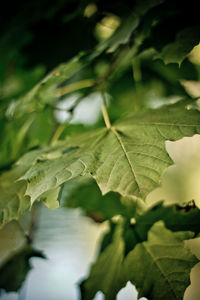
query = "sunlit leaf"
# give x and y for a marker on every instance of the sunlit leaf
(192, 87)
(128, 158)
(180, 182)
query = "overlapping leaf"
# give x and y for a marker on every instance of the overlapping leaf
(13, 201)
(167, 260)
(164, 255)
(174, 219)
(128, 158)
(177, 51)
(86, 195)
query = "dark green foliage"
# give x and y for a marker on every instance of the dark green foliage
(163, 255)
(94, 204)
(14, 271)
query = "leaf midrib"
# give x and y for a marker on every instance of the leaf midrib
(126, 155)
(159, 267)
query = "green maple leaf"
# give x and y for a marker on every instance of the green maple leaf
(177, 51)
(164, 255)
(13, 201)
(167, 260)
(175, 220)
(127, 158)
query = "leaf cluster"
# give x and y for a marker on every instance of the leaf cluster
(136, 58)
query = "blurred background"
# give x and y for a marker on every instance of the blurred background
(70, 243)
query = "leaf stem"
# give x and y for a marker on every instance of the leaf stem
(105, 112)
(75, 86)
(57, 133)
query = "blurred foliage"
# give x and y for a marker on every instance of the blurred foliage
(14, 272)
(98, 207)
(15, 254)
(94, 204)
